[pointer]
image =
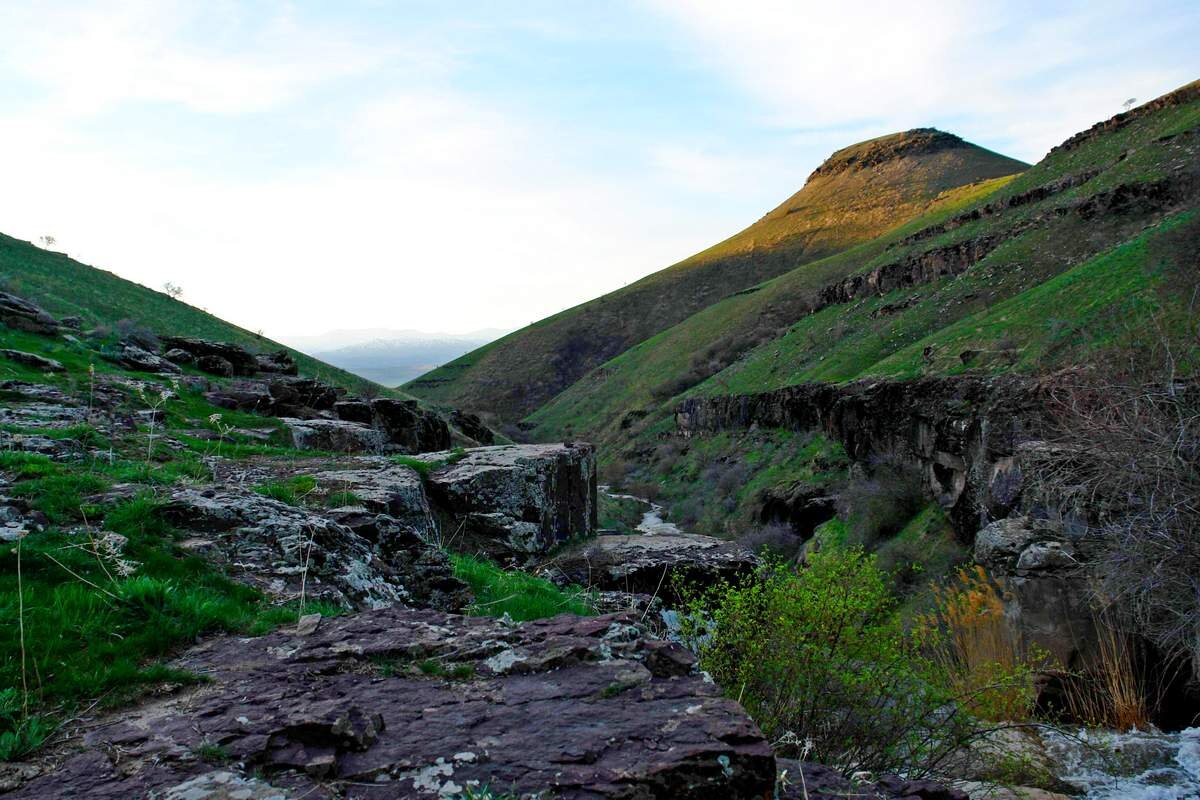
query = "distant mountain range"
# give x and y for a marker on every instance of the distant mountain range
(388, 356)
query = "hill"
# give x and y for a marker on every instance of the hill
(66, 287)
(1051, 268)
(857, 194)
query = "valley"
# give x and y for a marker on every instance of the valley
(890, 495)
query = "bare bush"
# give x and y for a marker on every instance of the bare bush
(877, 506)
(1124, 462)
(133, 332)
(777, 539)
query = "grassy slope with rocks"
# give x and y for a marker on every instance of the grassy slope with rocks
(94, 601)
(1060, 289)
(65, 287)
(858, 194)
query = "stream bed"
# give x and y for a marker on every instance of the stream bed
(1129, 766)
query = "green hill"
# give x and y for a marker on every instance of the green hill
(65, 287)
(1058, 266)
(857, 194)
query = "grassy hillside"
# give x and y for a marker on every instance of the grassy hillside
(1065, 261)
(65, 287)
(856, 195)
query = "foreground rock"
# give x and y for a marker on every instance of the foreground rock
(654, 564)
(517, 499)
(572, 707)
(240, 360)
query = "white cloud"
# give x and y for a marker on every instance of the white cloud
(1025, 77)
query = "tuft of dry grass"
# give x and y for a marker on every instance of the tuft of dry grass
(978, 653)
(1112, 693)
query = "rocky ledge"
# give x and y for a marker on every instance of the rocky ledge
(654, 564)
(400, 703)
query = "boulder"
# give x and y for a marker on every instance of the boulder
(242, 360)
(33, 360)
(216, 365)
(242, 396)
(517, 499)
(384, 488)
(1046, 590)
(22, 315)
(280, 362)
(333, 435)
(409, 427)
(654, 563)
(177, 355)
(136, 358)
(354, 410)
(472, 426)
(280, 548)
(401, 703)
(302, 397)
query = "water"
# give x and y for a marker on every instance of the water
(1130, 766)
(652, 523)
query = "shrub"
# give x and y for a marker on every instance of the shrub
(132, 332)
(877, 506)
(821, 661)
(1112, 693)
(775, 540)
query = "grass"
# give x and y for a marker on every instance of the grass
(293, 490)
(426, 466)
(65, 287)
(619, 514)
(519, 595)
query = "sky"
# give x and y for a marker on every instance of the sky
(299, 167)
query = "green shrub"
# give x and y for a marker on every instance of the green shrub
(820, 660)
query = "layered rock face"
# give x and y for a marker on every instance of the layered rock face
(963, 432)
(517, 499)
(574, 707)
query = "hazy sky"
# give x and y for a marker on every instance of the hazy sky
(298, 167)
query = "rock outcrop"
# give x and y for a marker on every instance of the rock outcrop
(654, 564)
(962, 432)
(290, 552)
(22, 315)
(409, 426)
(133, 357)
(400, 703)
(33, 360)
(517, 500)
(240, 360)
(333, 435)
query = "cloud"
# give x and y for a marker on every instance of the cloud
(1023, 75)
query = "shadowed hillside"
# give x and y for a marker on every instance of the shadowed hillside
(859, 193)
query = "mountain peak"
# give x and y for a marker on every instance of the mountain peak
(918, 141)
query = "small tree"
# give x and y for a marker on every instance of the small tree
(47, 241)
(1128, 104)
(173, 290)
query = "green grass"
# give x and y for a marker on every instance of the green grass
(65, 287)
(426, 466)
(519, 595)
(619, 514)
(292, 491)
(96, 623)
